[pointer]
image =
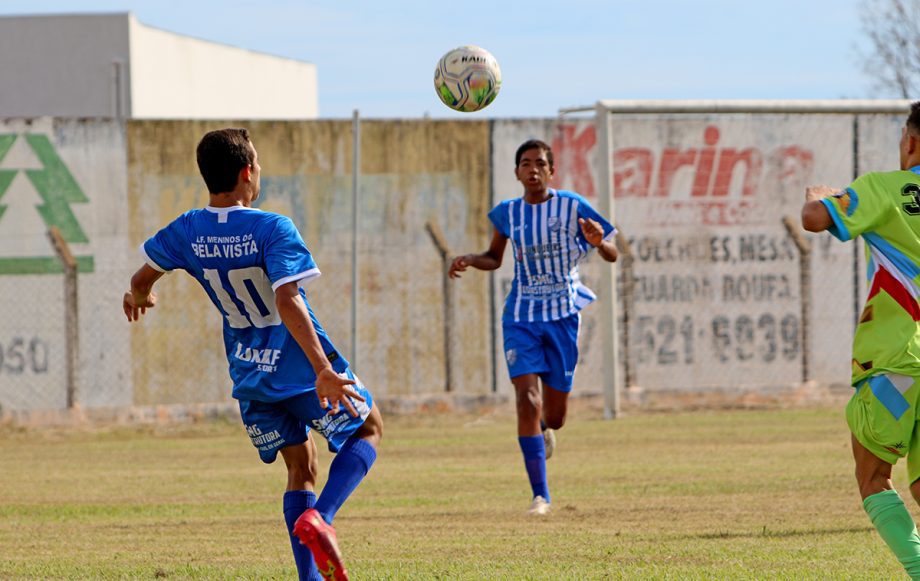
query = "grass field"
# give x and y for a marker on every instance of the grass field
(728, 495)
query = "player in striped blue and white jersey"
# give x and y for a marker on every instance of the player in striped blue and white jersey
(551, 231)
(287, 374)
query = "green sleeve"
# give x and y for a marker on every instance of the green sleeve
(857, 209)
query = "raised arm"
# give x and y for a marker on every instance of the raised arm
(815, 217)
(594, 234)
(491, 259)
(331, 388)
(141, 296)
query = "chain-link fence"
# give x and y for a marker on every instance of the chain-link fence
(712, 287)
(717, 296)
(66, 176)
(31, 345)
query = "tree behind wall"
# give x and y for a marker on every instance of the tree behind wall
(893, 57)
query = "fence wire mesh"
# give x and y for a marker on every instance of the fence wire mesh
(710, 283)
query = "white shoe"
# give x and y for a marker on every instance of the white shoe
(539, 506)
(549, 442)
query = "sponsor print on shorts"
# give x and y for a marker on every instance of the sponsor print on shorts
(330, 424)
(265, 442)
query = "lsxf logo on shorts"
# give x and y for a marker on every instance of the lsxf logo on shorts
(511, 356)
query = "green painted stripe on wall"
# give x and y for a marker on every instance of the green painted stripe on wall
(42, 265)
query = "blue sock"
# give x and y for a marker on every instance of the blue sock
(347, 470)
(295, 503)
(535, 461)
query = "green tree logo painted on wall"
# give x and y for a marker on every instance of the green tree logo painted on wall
(56, 189)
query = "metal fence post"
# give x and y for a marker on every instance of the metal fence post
(804, 247)
(355, 176)
(71, 313)
(612, 380)
(440, 242)
(627, 280)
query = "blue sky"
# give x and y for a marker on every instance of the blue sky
(379, 57)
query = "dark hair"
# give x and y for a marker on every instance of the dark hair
(221, 155)
(533, 144)
(913, 120)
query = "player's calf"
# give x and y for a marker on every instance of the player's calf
(549, 442)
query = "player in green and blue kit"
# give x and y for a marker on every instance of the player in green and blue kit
(551, 231)
(286, 373)
(884, 208)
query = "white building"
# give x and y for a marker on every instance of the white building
(110, 65)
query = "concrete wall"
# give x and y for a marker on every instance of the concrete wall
(175, 76)
(716, 301)
(110, 65)
(69, 174)
(62, 65)
(411, 173)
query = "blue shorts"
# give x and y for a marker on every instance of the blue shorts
(272, 426)
(547, 348)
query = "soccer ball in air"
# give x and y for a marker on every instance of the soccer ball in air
(467, 78)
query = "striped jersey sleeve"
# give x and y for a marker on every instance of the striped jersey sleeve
(859, 208)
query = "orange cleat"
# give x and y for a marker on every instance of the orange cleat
(319, 537)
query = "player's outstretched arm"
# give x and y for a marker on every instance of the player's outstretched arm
(491, 259)
(331, 388)
(594, 234)
(141, 296)
(815, 217)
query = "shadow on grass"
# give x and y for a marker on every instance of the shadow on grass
(767, 533)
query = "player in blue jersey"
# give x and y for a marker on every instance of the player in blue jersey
(286, 373)
(551, 231)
